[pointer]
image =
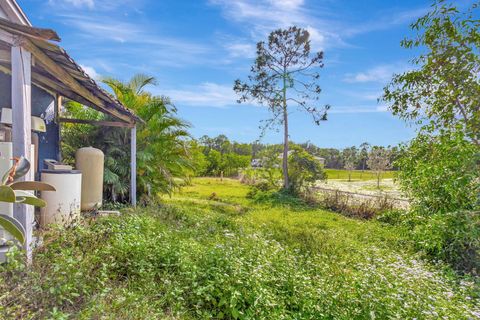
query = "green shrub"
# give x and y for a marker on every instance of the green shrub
(303, 170)
(452, 237)
(440, 174)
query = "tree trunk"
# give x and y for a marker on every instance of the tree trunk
(286, 184)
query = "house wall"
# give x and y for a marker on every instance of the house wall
(42, 106)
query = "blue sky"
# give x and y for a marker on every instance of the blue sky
(197, 48)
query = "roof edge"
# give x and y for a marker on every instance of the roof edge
(15, 12)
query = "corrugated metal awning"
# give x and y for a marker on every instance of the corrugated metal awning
(56, 71)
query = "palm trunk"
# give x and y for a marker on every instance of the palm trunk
(286, 184)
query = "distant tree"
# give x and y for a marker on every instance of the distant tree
(349, 158)
(379, 161)
(198, 158)
(443, 90)
(363, 154)
(244, 149)
(206, 142)
(285, 73)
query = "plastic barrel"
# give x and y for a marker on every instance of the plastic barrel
(90, 162)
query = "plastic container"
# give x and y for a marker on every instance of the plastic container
(63, 205)
(90, 162)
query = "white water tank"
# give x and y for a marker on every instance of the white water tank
(90, 162)
(63, 205)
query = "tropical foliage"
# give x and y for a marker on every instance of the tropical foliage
(163, 158)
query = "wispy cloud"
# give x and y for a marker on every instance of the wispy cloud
(207, 94)
(91, 72)
(361, 95)
(261, 17)
(385, 21)
(79, 3)
(379, 73)
(98, 5)
(117, 37)
(327, 28)
(239, 49)
(358, 109)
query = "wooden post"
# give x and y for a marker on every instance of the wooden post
(133, 166)
(58, 108)
(21, 131)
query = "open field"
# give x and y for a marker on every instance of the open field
(209, 252)
(387, 187)
(357, 174)
(363, 184)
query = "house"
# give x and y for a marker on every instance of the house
(319, 159)
(36, 75)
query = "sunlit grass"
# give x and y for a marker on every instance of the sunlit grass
(357, 174)
(210, 252)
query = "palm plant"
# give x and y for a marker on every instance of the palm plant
(162, 141)
(163, 156)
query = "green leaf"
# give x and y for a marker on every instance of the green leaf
(32, 185)
(7, 194)
(12, 226)
(28, 198)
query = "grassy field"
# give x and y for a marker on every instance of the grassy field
(209, 252)
(357, 174)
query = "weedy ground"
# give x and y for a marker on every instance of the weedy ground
(209, 252)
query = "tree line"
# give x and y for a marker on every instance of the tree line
(222, 154)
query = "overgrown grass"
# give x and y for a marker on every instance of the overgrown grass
(209, 252)
(357, 174)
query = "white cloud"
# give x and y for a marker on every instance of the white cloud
(357, 109)
(240, 50)
(137, 40)
(98, 5)
(76, 3)
(207, 94)
(362, 94)
(261, 17)
(287, 4)
(91, 72)
(380, 73)
(327, 27)
(79, 3)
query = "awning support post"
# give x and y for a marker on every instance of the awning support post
(133, 166)
(21, 131)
